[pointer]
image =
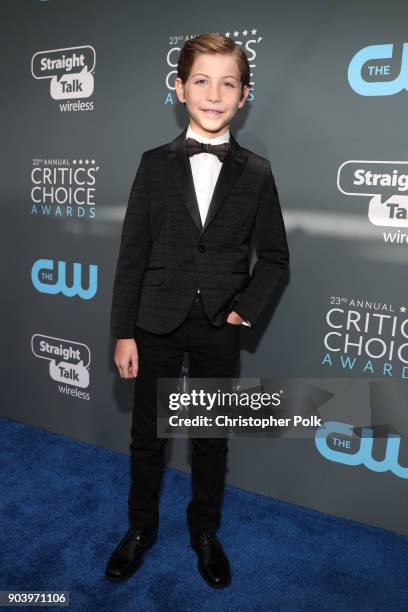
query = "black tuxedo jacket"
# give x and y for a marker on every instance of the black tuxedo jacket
(166, 254)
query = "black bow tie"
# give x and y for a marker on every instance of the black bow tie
(220, 150)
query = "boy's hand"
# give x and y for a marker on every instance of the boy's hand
(126, 357)
(234, 318)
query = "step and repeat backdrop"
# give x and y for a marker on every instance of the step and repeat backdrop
(86, 88)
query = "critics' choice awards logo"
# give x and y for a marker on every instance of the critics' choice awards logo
(68, 363)
(61, 278)
(379, 70)
(385, 183)
(248, 38)
(63, 188)
(70, 73)
(365, 336)
(337, 442)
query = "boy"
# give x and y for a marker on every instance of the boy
(182, 284)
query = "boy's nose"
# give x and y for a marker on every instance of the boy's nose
(214, 93)
(214, 96)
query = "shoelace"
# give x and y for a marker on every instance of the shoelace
(204, 539)
(139, 537)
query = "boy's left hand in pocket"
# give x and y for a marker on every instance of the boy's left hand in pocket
(234, 318)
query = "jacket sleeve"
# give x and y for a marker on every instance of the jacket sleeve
(271, 249)
(134, 252)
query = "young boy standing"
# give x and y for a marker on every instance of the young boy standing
(182, 284)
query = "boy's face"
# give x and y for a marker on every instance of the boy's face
(213, 85)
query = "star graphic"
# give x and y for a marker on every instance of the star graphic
(253, 31)
(244, 32)
(228, 34)
(403, 309)
(236, 33)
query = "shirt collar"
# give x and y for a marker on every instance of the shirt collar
(216, 140)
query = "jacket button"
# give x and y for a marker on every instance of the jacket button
(201, 248)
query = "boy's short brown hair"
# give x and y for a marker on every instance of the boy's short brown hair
(211, 43)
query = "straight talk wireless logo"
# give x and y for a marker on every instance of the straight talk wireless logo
(248, 38)
(68, 363)
(70, 72)
(385, 183)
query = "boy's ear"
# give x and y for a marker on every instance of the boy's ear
(179, 89)
(244, 95)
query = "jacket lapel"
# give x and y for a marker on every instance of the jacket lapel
(180, 167)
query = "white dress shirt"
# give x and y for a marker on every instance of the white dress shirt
(205, 168)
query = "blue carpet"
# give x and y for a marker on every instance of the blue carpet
(64, 510)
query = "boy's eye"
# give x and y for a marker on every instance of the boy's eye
(225, 82)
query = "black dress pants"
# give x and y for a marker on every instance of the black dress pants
(213, 352)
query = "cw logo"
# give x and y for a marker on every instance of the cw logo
(364, 455)
(46, 280)
(374, 60)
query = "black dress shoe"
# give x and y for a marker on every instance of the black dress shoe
(213, 564)
(128, 556)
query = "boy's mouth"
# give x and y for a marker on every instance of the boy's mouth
(212, 113)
